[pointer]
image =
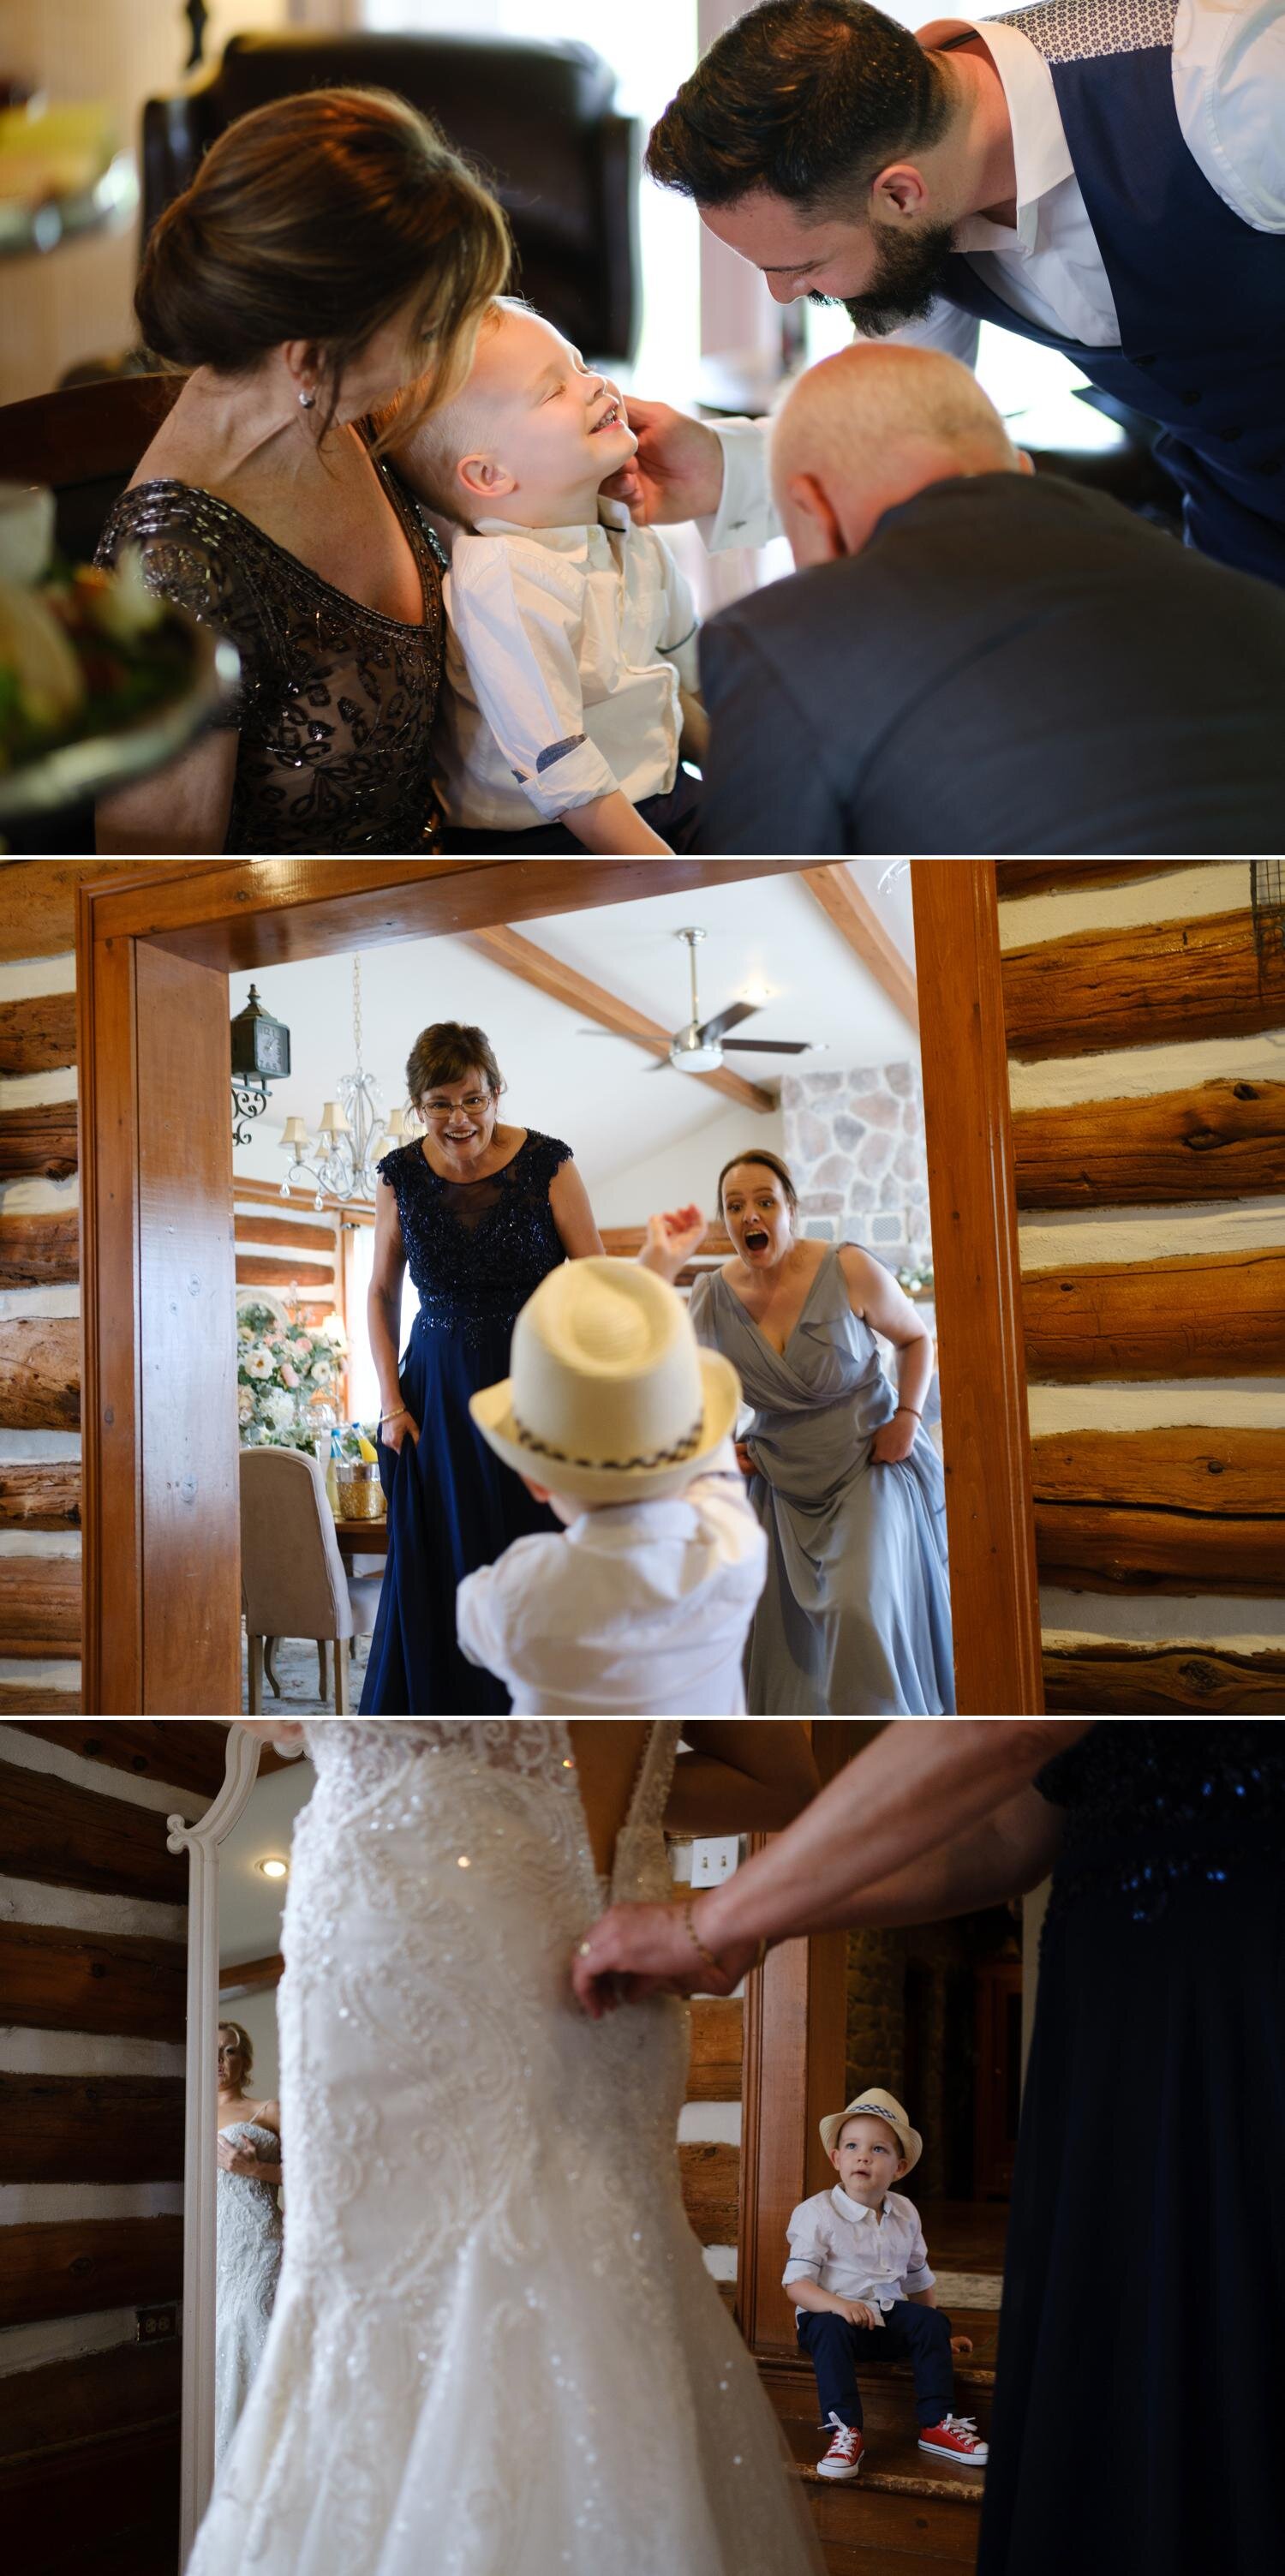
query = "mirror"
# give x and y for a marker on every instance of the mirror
(235, 2156)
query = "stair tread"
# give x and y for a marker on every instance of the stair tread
(891, 2466)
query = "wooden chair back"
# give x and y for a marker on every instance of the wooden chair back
(85, 441)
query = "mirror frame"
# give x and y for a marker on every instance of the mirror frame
(202, 1842)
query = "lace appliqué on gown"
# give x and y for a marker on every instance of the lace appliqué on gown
(247, 2269)
(496, 2351)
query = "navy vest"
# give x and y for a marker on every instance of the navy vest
(1199, 295)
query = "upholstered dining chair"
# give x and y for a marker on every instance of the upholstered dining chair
(293, 1582)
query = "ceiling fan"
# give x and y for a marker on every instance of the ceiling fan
(702, 1044)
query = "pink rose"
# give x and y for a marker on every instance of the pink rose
(289, 1376)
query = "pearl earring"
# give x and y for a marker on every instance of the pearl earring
(307, 402)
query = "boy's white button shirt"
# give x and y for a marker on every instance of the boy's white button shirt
(641, 1610)
(854, 2253)
(565, 648)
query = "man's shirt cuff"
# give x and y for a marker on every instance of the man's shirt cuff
(745, 515)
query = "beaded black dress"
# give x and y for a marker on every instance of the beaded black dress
(336, 703)
(1138, 2404)
(476, 1251)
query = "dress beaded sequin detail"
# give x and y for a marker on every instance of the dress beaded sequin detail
(1151, 1806)
(477, 1249)
(336, 704)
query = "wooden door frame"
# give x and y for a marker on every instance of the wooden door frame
(154, 947)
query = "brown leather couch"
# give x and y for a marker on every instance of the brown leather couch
(536, 120)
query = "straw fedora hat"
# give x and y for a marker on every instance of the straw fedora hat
(877, 2105)
(610, 1399)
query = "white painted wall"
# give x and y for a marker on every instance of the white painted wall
(685, 1168)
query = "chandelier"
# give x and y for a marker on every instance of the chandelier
(352, 1131)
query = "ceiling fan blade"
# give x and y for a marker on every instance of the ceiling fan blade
(767, 1046)
(731, 1018)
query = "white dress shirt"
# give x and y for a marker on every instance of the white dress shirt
(859, 2253)
(565, 648)
(641, 1610)
(1229, 92)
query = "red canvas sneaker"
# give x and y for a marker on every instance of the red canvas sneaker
(843, 2459)
(955, 2438)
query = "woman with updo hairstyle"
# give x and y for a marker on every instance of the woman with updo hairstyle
(480, 1211)
(854, 1620)
(326, 270)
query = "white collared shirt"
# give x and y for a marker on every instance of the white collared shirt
(1229, 92)
(858, 2253)
(565, 648)
(641, 1610)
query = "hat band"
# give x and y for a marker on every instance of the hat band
(614, 1466)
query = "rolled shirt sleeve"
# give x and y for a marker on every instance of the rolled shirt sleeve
(808, 2249)
(746, 513)
(917, 2275)
(516, 620)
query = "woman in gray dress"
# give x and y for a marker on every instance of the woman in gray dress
(855, 1617)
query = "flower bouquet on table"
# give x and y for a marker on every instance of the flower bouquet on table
(287, 1379)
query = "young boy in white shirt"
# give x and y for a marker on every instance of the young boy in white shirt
(858, 2275)
(615, 1418)
(571, 670)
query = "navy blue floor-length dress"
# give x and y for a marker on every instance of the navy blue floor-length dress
(476, 1250)
(1138, 2405)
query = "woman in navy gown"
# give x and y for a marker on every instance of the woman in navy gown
(480, 1211)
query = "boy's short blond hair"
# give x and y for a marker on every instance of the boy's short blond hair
(429, 456)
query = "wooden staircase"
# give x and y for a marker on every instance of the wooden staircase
(906, 2514)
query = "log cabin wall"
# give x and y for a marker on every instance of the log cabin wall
(709, 2134)
(1145, 1016)
(93, 1968)
(39, 1288)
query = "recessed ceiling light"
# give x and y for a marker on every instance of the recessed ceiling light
(273, 1868)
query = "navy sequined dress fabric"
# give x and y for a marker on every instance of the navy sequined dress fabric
(1138, 2406)
(336, 704)
(475, 1251)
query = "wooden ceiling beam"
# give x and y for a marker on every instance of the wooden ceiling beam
(563, 984)
(856, 920)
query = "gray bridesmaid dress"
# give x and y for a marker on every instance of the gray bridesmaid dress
(855, 1616)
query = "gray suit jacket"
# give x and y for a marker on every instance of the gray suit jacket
(1013, 664)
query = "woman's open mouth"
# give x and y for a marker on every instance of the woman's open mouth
(460, 1135)
(755, 1240)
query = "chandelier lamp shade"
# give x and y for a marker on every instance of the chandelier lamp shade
(353, 1131)
(260, 1055)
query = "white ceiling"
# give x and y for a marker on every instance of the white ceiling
(596, 1091)
(250, 1904)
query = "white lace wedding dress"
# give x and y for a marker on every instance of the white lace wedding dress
(495, 2349)
(247, 2266)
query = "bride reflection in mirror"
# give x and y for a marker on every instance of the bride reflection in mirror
(250, 2231)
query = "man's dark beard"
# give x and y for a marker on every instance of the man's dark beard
(907, 280)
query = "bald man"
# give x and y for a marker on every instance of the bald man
(975, 659)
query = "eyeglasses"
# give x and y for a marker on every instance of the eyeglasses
(474, 1103)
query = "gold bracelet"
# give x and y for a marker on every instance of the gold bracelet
(696, 1941)
(391, 1417)
(708, 1955)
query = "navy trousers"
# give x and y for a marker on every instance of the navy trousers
(918, 2335)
